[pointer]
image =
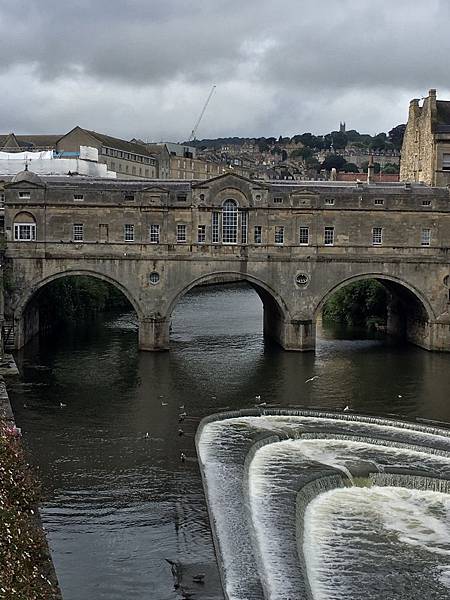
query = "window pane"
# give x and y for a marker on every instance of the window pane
(201, 234)
(244, 226)
(279, 234)
(377, 236)
(78, 232)
(258, 234)
(329, 236)
(181, 233)
(425, 238)
(229, 222)
(304, 236)
(215, 228)
(154, 234)
(129, 233)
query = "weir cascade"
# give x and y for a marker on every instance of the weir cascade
(308, 505)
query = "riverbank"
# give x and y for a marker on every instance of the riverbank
(26, 567)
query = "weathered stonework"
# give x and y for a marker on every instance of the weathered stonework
(293, 279)
(426, 143)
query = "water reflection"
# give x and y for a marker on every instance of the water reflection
(118, 502)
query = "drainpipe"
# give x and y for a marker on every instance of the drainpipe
(370, 170)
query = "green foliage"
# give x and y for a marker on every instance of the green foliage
(303, 153)
(396, 136)
(334, 161)
(79, 298)
(350, 168)
(337, 139)
(390, 168)
(376, 167)
(357, 303)
(24, 562)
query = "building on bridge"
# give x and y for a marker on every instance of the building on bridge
(295, 243)
(426, 143)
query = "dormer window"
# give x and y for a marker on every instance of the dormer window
(329, 201)
(78, 197)
(24, 195)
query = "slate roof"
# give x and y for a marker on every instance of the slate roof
(118, 144)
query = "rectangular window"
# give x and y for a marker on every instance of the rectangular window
(329, 201)
(78, 197)
(446, 162)
(303, 236)
(257, 234)
(78, 231)
(2, 200)
(153, 234)
(377, 236)
(201, 234)
(425, 237)
(128, 233)
(181, 197)
(24, 232)
(426, 202)
(24, 195)
(279, 234)
(244, 227)
(215, 228)
(328, 238)
(278, 200)
(181, 234)
(129, 197)
(379, 201)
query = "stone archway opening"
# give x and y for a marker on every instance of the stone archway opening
(379, 303)
(68, 299)
(264, 312)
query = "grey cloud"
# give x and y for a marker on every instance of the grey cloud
(144, 67)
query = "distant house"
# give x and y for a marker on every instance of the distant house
(426, 144)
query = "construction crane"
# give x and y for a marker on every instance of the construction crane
(194, 131)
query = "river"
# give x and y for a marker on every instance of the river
(118, 502)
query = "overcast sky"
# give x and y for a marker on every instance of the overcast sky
(145, 67)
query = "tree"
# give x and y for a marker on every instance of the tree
(337, 139)
(334, 161)
(390, 168)
(312, 164)
(356, 303)
(379, 142)
(350, 168)
(303, 153)
(376, 167)
(396, 136)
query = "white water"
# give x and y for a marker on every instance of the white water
(360, 541)
(253, 508)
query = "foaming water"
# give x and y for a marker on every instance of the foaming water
(375, 542)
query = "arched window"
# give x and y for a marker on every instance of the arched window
(24, 227)
(229, 222)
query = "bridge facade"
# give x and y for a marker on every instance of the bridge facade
(295, 243)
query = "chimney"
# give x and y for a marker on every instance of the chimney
(370, 170)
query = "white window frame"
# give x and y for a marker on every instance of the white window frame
(154, 233)
(446, 161)
(215, 233)
(201, 234)
(78, 197)
(425, 236)
(78, 232)
(19, 229)
(329, 201)
(257, 234)
(181, 233)
(244, 227)
(230, 222)
(278, 200)
(379, 201)
(279, 235)
(303, 235)
(328, 236)
(24, 195)
(377, 236)
(128, 232)
(426, 202)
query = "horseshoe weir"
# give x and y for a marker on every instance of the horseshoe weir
(295, 243)
(311, 505)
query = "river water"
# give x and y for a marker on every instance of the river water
(101, 422)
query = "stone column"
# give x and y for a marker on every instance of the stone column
(153, 334)
(299, 335)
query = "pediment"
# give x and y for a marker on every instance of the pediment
(155, 189)
(24, 185)
(229, 180)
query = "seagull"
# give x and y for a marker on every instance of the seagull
(346, 409)
(399, 396)
(312, 378)
(180, 432)
(164, 404)
(182, 456)
(258, 398)
(146, 435)
(62, 405)
(262, 404)
(213, 397)
(181, 417)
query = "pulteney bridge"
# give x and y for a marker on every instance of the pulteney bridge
(295, 243)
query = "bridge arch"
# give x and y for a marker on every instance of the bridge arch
(410, 315)
(37, 285)
(384, 279)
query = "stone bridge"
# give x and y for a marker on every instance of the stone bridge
(295, 243)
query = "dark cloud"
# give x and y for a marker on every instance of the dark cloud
(142, 67)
